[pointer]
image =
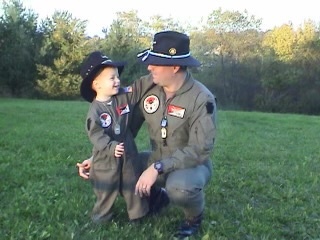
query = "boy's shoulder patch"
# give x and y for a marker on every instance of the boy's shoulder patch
(127, 89)
(124, 90)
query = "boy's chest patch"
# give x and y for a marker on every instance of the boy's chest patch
(123, 109)
(105, 119)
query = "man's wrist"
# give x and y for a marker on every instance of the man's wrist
(158, 165)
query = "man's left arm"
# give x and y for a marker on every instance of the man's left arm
(202, 133)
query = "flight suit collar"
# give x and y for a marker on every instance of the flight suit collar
(187, 85)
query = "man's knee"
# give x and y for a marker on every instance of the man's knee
(185, 196)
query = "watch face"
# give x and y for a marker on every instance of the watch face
(158, 167)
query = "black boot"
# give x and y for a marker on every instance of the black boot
(189, 227)
(158, 200)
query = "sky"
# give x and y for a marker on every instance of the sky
(101, 13)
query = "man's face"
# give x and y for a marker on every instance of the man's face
(162, 75)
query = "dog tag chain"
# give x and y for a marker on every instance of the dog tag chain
(164, 124)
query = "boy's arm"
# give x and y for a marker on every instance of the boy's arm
(98, 137)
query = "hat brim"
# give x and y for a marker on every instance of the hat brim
(155, 60)
(86, 90)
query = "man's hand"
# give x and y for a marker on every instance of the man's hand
(146, 180)
(84, 168)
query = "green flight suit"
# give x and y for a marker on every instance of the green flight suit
(107, 126)
(182, 133)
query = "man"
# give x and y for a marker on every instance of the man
(180, 113)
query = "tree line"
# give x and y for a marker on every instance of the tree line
(248, 69)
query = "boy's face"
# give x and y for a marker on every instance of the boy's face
(107, 82)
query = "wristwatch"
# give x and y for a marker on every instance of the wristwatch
(158, 166)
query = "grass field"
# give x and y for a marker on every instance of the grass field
(266, 182)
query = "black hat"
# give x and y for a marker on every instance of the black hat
(90, 67)
(169, 48)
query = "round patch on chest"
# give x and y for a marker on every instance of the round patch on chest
(151, 104)
(105, 120)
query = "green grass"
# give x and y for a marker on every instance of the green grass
(265, 186)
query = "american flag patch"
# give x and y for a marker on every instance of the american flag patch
(127, 89)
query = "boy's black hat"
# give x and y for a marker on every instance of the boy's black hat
(169, 48)
(90, 67)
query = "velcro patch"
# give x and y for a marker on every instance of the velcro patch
(176, 111)
(123, 109)
(88, 124)
(127, 89)
(209, 107)
(105, 120)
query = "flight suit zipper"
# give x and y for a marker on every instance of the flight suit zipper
(164, 121)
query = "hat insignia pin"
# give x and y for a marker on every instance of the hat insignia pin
(172, 51)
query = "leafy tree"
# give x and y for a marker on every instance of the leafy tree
(158, 23)
(282, 41)
(306, 62)
(122, 42)
(232, 21)
(18, 48)
(62, 52)
(128, 35)
(291, 73)
(231, 43)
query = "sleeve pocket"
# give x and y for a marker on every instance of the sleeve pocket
(207, 131)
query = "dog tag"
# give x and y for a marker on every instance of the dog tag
(117, 129)
(164, 122)
(163, 133)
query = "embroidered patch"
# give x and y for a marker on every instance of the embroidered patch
(127, 89)
(105, 120)
(176, 111)
(88, 124)
(209, 107)
(124, 109)
(151, 104)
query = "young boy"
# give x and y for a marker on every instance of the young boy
(115, 168)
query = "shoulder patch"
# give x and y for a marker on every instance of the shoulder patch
(124, 90)
(209, 107)
(88, 124)
(127, 89)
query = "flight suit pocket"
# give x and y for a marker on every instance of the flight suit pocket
(104, 162)
(207, 131)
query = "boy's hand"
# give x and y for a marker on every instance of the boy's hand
(84, 168)
(119, 150)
